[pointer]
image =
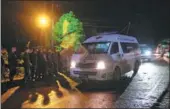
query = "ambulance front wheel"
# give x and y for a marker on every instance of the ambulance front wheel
(117, 74)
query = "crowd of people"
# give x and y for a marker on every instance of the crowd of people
(37, 62)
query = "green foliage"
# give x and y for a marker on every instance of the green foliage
(74, 26)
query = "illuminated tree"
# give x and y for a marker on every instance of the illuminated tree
(68, 32)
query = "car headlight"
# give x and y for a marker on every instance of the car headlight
(148, 53)
(73, 64)
(101, 65)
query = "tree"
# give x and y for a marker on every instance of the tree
(68, 32)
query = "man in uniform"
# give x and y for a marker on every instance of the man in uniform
(12, 63)
(27, 65)
(33, 59)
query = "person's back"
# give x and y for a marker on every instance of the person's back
(26, 59)
(27, 65)
(12, 59)
(2, 61)
(41, 57)
(2, 65)
(58, 61)
(50, 57)
(33, 57)
(33, 60)
(41, 63)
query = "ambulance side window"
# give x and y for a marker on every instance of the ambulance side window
(115, 48)
(129, 47)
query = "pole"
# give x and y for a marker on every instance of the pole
(128, 28)
(41, 37)
(42, 30)
(52, 19)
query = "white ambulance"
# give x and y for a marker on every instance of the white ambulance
(108, 57)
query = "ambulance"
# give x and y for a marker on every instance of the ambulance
(107, 58)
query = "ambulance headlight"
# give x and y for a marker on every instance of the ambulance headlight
(101, 65)
(148, 53)
(73, 64)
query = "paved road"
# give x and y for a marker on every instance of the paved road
(141, 91)
(146, 87)
(164, 104)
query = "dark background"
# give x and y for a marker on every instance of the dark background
(150, 19)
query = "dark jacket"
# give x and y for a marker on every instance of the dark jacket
(33, 58)
(12, 59)
(41, 59)
(50, 58)
(2, 61)
(26, 59)
(56, 60)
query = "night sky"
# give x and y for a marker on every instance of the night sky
(150, 19)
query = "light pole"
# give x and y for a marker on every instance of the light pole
(52, 26)
(43, 22)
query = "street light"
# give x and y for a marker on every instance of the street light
(43, 22)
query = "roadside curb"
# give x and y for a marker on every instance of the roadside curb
(145, 99)
(160, 99)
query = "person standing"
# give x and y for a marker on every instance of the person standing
(27, 65)
(12, 59)
(50, 62)
(2, 66)
(33, 59)
(39, 62)
(45, 62)
(56, 61)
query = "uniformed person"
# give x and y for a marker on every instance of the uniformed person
(12, 59)
(27, 64)
(33, 59)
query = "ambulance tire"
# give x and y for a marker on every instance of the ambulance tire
(136, 68)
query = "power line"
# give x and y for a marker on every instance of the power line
(99, 26)
(127, 26)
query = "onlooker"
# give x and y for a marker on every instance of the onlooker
(27, 65)
(45, 62)
(50, 64)
(56, 62)
(39, 62)
(33, 59)
(12, 63)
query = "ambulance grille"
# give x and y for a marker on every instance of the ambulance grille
(85, 73)
(86, 65)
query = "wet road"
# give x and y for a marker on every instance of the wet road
(140, 91)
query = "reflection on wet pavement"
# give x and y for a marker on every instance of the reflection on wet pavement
(146, 87)
(5, 96)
